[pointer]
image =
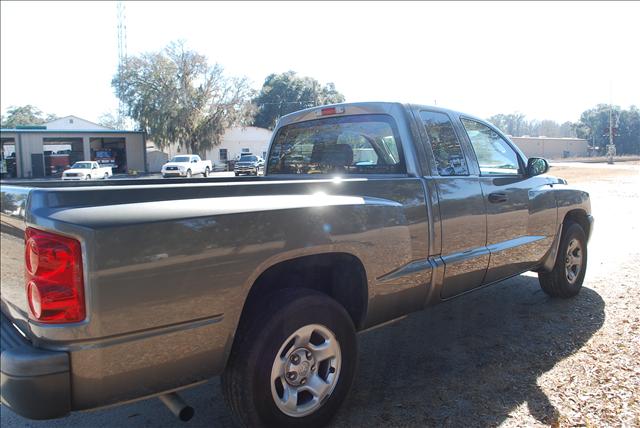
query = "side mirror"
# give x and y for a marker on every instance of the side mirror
(194, 161)
(537, 166)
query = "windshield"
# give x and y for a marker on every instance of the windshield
(82, 165)
(181, 159)
(362, 144)
(248, 159)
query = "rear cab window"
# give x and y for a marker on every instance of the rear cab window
(357, 144)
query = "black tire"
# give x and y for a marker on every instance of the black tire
(246, 382)
(188, 173)
(236, 174)
(106, 175)
(88, 177)
(556, 283)
(206, 172)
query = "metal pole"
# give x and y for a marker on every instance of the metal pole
(611, 148)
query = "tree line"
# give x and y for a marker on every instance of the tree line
(593, 126)
(177, 96)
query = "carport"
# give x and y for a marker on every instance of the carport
(38, 153)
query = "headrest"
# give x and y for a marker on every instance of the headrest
(332, 154)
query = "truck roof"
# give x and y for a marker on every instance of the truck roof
(370, 107)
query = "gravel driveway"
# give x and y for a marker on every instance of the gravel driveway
(507, 355)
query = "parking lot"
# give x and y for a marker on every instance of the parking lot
(507, 355)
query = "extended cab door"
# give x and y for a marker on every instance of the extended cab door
(521, 211)
(463, 223)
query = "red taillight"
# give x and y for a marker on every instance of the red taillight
(55, 289)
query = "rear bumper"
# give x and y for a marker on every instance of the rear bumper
(36, 383)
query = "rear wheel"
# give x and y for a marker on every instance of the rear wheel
(565, 280)
(206, 172)
(106, 175)
(293, 364)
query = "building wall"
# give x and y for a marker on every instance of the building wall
(234, 140)
(552, 148)
(238, 138)
(75, 123)
(135, 149)
(155, 159)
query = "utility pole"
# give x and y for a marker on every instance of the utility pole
(122, 59)
(611, 148)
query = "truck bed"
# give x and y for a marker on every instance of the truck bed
(181, 255)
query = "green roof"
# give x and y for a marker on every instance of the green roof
(68, 131)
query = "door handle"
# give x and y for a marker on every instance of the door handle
(497, 197)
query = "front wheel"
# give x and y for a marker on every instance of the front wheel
(565, 280)
(88, 177)
(293, 364)
(188, 173)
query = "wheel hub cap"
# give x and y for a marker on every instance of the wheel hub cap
(305, 370)
(300, 364)
(573, 261)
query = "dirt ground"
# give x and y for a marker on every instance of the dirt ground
(507, 355)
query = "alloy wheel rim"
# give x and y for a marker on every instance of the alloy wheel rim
(305, 370)
(573, 261)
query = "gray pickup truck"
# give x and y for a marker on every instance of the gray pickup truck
(121, 290)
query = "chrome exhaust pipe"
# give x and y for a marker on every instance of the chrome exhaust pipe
(177, 406)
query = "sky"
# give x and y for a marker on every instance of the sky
(549, 60)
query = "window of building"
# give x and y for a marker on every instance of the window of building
(447, 151)
(246, 151)
(495, 155)
(223, 155)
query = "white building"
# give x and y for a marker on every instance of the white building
(75, 123)
(235, 142)
(552, 148)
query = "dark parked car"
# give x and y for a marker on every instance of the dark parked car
(249, 165)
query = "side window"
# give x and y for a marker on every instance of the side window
(495, 155)
(447, 151)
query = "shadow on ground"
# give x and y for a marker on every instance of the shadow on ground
(470, 361)
(467, 362)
